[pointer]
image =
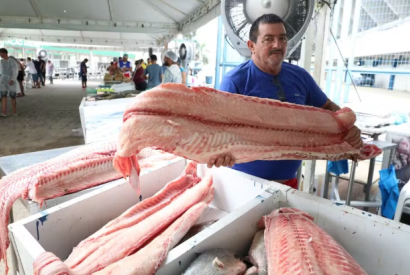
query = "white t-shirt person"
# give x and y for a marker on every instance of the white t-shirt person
(31, 67)
(172, 73)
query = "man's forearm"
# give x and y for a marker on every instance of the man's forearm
(331, 106)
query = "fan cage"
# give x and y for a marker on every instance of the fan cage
(241, 24)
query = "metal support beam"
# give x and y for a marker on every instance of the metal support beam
(371, 15)
(200, 12)
(323, 25)
(87, 25)
(36, 10)
(392, 8)
(110, 10)
(148, 2)
(172, 7)
(84, 40)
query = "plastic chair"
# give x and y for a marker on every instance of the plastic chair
(404, 198)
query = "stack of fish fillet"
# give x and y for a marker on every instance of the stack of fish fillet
(84, 167)
(138, 241)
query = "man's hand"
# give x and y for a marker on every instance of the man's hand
(353, 137)
(11, 82)
(222, 160)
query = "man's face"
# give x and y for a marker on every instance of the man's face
(39, 58)
(270, 48)
(125, 59)
(167, 61)
(3, 55)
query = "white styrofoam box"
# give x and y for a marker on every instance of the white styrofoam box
(102, 120)
(379, 245)
(62, 227)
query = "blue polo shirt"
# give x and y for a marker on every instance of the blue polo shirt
(299, 88)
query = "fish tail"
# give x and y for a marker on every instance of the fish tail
(129, 167)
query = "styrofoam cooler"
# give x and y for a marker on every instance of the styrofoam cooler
(102, 120)
(379, 245)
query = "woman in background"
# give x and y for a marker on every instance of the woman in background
(139, 77)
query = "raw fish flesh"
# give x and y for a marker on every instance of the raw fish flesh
(203, 123)
(295, 245)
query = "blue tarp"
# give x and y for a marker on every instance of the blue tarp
(390, 191)
(338, 167)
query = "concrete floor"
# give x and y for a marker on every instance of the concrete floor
(46, 119)
(47, 116)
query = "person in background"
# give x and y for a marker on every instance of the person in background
(172, 73)
(33, 71)
(42, 72)
(124, 64)
(50, 71)
(148, 61)
(83, 73)
(8, 81)
(139, 77)
(267, 76)
(20, 77)
(154, 72)
(183, 73)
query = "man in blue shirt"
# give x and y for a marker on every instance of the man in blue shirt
(124, 64)
(154, 72)
(267, 76)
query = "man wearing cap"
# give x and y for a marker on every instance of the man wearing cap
(124, 64)
(172, 73)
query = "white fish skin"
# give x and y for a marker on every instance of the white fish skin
(216, 262)
(257, 253)
(252, 271)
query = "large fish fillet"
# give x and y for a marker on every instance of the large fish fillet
(295, 245)
(148, 260)
(78, 169)
(202, 123)
(130, 239)
(135, 215)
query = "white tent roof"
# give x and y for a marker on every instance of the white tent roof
(121, 23)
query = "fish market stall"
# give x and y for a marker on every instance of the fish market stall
(10, 164)
(240, 201)
(102, 120)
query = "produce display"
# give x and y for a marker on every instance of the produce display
(151, 228)
(203, 123)
(81, 168)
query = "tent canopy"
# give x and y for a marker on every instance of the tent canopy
(132, 23)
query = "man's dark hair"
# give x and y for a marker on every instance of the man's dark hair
(153, 57)
(29, 58)
(264, 19)
(3, 50)
(86, 59)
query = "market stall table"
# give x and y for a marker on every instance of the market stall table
(385, 147)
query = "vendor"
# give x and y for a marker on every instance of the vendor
(124, 64)
(267, 76)
(172, 73)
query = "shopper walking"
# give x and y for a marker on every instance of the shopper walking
(42, 72)
(8, 81)
(50, 71)
(33, 72)
(83, 73)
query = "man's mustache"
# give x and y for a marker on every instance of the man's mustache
(275, 51)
